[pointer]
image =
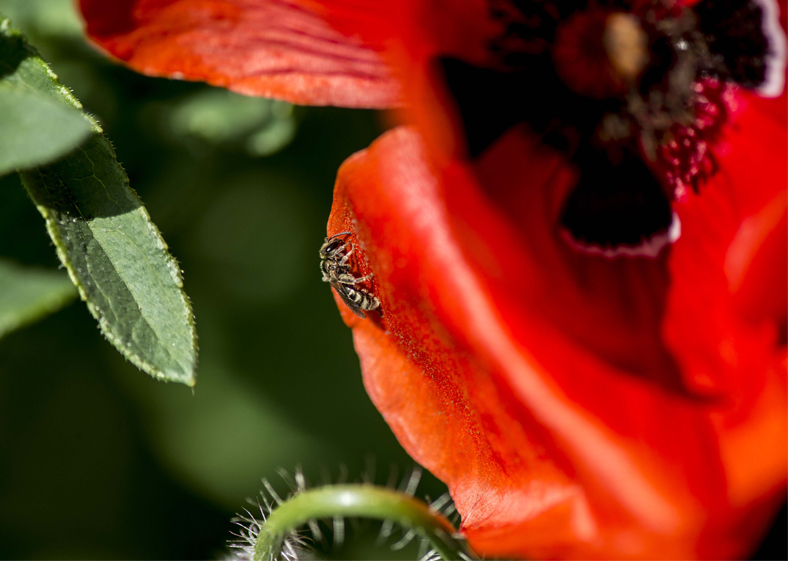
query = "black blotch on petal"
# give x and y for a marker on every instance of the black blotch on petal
(487, 101)
(615, 203)
(617, 200)
(491, 101)
(733, 30)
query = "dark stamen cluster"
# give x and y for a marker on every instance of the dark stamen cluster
(685, 159)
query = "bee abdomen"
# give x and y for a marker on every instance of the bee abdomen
(362, 298)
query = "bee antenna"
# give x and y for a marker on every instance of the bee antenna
(339, 234)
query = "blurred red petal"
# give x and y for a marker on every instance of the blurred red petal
(272, 48)
(729, 275)
(461, 29)
(733, 246)
(756, 263)
(549, 449)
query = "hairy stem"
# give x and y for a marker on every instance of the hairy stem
(358, 500)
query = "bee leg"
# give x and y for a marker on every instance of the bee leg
(345, 258)
(338, 250)
(347, 278)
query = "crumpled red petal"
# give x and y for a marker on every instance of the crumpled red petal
(550, 450)
(272, 48)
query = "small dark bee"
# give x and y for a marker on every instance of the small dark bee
(335, 266)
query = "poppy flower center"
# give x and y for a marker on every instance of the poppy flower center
(634, 93)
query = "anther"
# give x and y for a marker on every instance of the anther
(626, 44)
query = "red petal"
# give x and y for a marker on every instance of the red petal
(730, 272)
(549, 450)
(756, 263)
(460, 29)
(733, 246)
(270, 48)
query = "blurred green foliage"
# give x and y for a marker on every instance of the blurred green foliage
(99, 460)
(27, 293)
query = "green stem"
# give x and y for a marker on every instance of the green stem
(359, 500)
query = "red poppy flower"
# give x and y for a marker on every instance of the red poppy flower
(579, 246)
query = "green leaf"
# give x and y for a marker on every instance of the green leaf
(28, 294)
(103, 235)
(36, 130)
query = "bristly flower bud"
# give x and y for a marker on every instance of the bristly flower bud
(276, 534)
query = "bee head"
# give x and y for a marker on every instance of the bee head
(332, 245)
(329, 248)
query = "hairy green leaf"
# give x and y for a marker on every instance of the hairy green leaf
(28, 294)
(103, 235)
(36, 130)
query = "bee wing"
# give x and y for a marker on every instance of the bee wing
(346, 299)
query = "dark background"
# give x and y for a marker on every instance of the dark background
(99, 461)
